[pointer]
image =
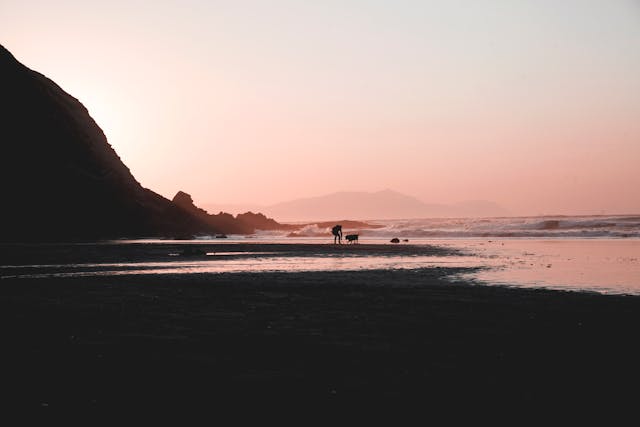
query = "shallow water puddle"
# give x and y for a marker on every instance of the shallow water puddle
(599, 265)
(246, 264)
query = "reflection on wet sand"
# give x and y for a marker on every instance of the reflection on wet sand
(600, 265)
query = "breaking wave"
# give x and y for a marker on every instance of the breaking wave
(620, 226)
(611, 226)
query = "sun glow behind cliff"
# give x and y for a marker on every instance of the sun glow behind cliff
(532, 104)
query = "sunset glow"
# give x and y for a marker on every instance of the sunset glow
(305, 209)
(533, 105)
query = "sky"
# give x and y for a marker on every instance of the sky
(532, 104)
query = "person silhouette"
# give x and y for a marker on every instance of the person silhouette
(337, 234)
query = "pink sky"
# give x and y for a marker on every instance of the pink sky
(531, 104)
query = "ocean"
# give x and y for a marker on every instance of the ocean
(581, 253)
(614, 226)
(572, 253)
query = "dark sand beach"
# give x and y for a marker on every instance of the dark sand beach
(391, 337)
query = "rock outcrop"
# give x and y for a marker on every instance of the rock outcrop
(259, 221)
(59, 177)
(246, 223)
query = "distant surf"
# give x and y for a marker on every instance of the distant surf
(614, 226)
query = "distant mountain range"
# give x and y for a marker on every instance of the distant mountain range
(386, 204)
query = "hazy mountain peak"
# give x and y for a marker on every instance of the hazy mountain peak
(386, 191)
(383, 204)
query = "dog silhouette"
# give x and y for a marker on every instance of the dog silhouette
(351, 238)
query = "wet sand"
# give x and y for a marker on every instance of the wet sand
(137, 251)
(313, 338)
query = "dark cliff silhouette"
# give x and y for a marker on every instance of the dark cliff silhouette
(246, 223)
(60, 178)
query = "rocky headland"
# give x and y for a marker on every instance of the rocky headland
(61, 180)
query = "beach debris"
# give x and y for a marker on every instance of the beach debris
(395, 240)
(221, 236)
(405, 240)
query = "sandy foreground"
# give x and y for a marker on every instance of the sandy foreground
(348, 337)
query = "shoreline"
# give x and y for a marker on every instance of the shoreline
(605, 266)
